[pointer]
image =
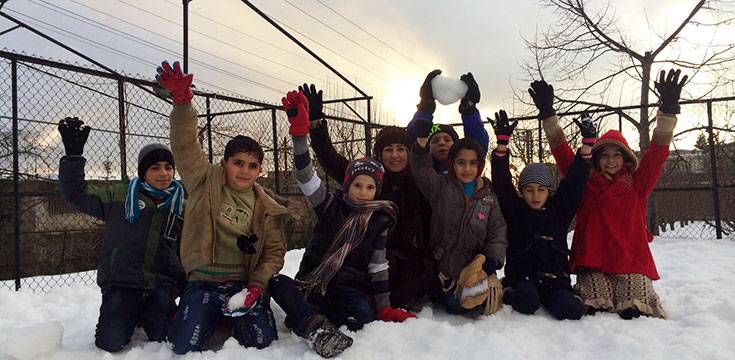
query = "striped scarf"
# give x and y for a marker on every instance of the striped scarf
(349, 237)
(174, 196)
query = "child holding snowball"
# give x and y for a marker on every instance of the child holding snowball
(233, 243)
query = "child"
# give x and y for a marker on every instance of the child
(468, 237)
(441, 137)
(610, 252)
(537, 270)
(412, 275)
(139, 270)
(345, 257)
(233, 243)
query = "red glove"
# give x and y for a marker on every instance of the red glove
(244, 301)
(175, 81)
(255, 293)
(389, 314)
(297, 109)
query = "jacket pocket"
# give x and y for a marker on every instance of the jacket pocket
(173, 228)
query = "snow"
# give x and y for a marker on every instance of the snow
(447, 90)
(697, 290)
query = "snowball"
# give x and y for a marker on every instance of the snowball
(448, 90)
(34, 341)
(237, 301)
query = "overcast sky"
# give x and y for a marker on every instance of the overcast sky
(484, 37)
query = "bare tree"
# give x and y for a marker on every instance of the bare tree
(586, 55)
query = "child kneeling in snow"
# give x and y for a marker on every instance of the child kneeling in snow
(468, 233)
(139, 270)
(537, 268)
(344, 260)
(610, 252)
(232, 242)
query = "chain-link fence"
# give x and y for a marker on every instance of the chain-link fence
(42, 234)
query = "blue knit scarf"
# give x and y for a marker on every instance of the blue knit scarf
(174, 196)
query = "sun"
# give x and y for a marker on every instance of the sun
(401, 97)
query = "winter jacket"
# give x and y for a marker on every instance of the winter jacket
(460, 229)
(203, 183)
(144, 255)
(610, 233)
(411, 271)
(537, 239)
(471, 123)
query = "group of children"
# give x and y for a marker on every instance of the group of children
(418, 220)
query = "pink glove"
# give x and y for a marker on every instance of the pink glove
(297, 109)
(389, 314)
(175, 81)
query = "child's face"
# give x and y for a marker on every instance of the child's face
(241, 170)
(466, 165)
(439, 146)
(362, 189)
(395, 157)
(535, 195)
(611, 160)
(159, 175)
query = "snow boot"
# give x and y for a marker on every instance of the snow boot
(323, 337)
(630, 313)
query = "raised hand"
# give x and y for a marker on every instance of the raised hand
(543, 96)
(669, 90)
(502, 127)
(297, 109)
(427, 104)
(74, 135)
(422, 128)
(472, 97)
(315, 101)
(175, 81)
(587, 128)
(390, 314)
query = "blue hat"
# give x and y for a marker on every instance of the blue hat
(536, 173)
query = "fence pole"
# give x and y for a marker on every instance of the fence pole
(713, 165)
(185, 4)
(275, 150)
(209, 129)
(368, 132)
(16, 178)
(540, 144)
(121, 114)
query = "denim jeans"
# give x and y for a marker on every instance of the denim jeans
(342, 307)
(123, 308)
(200, 311)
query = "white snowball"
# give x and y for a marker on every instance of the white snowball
(33, 341)
(448, 90)
(237, 301)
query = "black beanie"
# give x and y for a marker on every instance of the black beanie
(437, 128)
(364, 166)
(390, 135)
(151, 154)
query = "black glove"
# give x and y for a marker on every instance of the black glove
(502, 127)
(587, 128)
(315, 101)
(73, 134)
(427, 103)
(669, 90)
(422, 128)
(245, 243)
(543, 96)
(472, 97)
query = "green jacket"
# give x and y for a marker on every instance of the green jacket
(143, 255)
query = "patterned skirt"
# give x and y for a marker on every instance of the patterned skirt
(618, 292)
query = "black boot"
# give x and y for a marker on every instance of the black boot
(630, 313)
(323, 337)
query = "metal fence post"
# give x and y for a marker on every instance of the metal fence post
(368, 132)
(713, 166)
(275, 151)
(16, 178)
(540, 143)
(209, 130)
(121, 114)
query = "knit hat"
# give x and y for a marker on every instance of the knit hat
(364, 166)
(437, 128)
(615, 137)
(390, 135)
(536, 173)
(151, 154)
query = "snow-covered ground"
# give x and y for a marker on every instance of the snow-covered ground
(697, 289)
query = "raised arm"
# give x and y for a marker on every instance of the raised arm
(571, 187)
(427, 105)
(471, 119)
(422, 168)
(500, 169)
(543, 96)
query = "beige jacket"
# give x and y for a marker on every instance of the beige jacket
(203, 182)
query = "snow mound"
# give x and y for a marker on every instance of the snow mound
(33, 341)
